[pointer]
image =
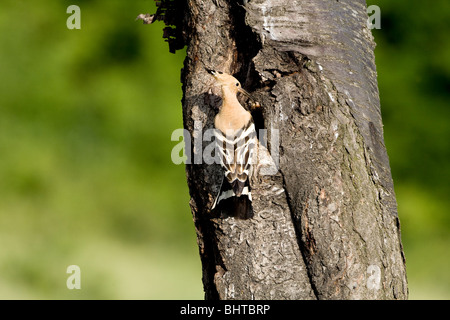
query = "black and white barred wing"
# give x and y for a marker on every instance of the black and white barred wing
(236, 151)
(244, 153)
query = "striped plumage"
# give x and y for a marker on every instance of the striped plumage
(236, 150)
(236, 143)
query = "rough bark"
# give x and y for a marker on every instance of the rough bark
(326, 226)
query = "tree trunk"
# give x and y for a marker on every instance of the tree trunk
(325, 226)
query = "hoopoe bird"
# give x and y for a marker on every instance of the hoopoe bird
(236, 140)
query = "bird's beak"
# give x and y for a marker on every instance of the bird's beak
(245, 93)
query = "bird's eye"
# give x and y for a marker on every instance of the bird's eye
(237, 84)
(220, 72)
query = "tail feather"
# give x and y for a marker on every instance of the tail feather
(234, 200)
(238, 187)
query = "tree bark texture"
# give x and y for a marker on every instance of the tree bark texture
(326, 226)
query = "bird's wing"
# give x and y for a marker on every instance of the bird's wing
(236, 152)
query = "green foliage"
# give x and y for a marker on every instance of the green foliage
(85, 172)
(414, 81)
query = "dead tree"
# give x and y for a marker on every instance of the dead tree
(326, 225)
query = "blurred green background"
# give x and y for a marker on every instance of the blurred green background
(85, 171)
